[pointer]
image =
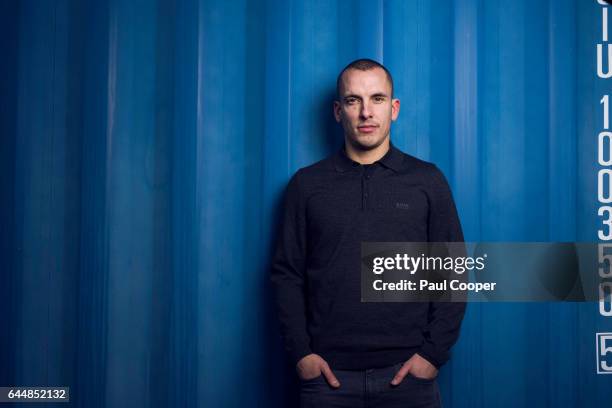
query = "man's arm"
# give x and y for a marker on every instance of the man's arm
(287, 274)
(444, 322)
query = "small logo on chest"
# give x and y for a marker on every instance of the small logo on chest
(402, 206)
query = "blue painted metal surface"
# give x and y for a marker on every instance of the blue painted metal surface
(145, 146)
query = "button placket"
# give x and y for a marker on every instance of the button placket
(364, 189)
(363, 195)
(366, 175)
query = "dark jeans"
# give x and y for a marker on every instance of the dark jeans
(370, 388)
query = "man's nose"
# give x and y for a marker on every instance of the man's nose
(365, 111)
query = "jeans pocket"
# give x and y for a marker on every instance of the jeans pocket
(421, 380)
(312, 380)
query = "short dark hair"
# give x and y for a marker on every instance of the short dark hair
(362, 64)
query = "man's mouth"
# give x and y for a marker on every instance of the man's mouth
(367, 128)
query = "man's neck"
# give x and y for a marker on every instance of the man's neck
(366, 156)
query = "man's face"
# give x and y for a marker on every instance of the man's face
(365, 108)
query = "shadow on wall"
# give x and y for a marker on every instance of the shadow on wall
(333, 138)
(330, 138)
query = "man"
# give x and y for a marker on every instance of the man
(349, 352)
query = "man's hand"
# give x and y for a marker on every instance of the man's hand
(312, 366)
(418, 367)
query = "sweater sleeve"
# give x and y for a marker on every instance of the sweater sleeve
(288, 270)
(444, 318)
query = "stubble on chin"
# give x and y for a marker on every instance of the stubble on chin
(364, 147)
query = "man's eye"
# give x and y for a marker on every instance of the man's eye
(379, 99)
(351, 101)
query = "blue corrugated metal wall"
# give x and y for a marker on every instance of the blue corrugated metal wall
(145, 145)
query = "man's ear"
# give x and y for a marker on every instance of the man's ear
(337, 111)
(395, 108)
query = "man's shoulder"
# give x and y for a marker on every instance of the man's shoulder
(414, 165)
(412, 162)
(325, 164)
(317, 169)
